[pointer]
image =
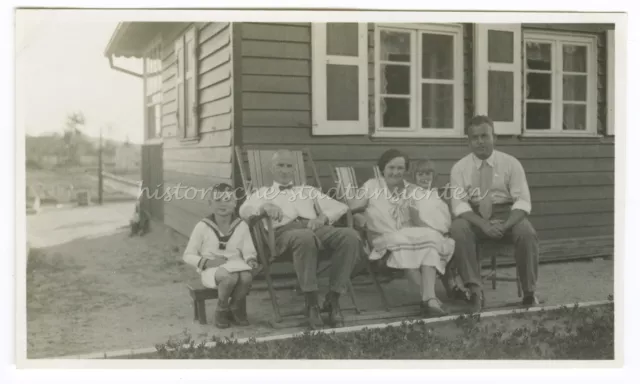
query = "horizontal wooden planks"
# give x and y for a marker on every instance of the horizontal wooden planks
(276, 32)
(276, 66)
(276, 84)
(222, 170)
(208, 139)
(180, 220)
(264, 101)
(172, 178)
(199, 154)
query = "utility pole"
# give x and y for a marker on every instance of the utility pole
(100, 169)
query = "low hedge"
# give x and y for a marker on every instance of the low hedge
(566, 333)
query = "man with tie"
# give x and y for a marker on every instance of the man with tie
(491, 199)
(303, 217)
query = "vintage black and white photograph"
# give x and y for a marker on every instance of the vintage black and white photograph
(372, 187)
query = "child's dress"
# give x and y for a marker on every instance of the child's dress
(208, 243)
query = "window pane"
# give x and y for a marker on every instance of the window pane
(538, 116)
(574, 87)
(342, 39)
(437, 106)
(539, 56)
(342, 92)
(574, 58)
(395, 79)
(501, 95)
(539, 86)
(437, 56)
(395, 46)
(500, 47)
(574, 117)
(394, 112)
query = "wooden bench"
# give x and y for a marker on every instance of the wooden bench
(199, 294)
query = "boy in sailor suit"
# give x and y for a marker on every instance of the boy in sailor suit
(222, 250)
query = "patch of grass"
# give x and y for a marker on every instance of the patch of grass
(567, 333)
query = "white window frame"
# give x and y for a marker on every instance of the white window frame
(611, 78)
(182, 77)
(321, 125)
(556, 39)
(415, 130)
(482, 66)
(156, 98)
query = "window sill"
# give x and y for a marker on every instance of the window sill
(414, 135)
(560, 134)
(190, 140)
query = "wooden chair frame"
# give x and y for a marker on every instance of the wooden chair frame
(264, 235)
(339, 174)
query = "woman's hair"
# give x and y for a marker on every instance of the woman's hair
(390, 155)
(423, 166)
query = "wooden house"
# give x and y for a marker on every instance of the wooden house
(350, 91)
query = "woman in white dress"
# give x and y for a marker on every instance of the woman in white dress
(221, 249)
(393, 211)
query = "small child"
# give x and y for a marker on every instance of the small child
(424, 175)
(221, 249)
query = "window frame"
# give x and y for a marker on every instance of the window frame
(611, 78)
(183, 75)
(321, 125)
(156, 97)
(557, 39)
(415, 130)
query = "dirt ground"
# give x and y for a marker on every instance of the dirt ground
(97, 289)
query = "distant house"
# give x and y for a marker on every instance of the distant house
(350, 91)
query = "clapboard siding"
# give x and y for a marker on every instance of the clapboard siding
(571, 180)
(193, 167)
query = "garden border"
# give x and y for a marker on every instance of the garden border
(144, 351)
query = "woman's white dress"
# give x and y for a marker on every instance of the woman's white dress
(412, 227)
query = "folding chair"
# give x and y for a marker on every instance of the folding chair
(345, 180)
(259, 175)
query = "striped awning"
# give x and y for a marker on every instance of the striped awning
(131, 39)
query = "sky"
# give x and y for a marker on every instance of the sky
(61, 69)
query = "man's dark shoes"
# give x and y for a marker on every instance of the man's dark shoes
(332, 305)
(477, 301)
(312, 310)
(530, 300)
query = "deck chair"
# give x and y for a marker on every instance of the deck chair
(346, 180)
(259, 175)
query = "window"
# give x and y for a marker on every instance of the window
(498, 76)
(611, 78)
(339, 76)
(186, 84)
(153, 90)
(418, 80)
(560, 84)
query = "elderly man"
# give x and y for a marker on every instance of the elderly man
(303, 217)
(491, 199)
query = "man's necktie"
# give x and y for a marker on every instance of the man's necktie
(285, 187)
(486, 180)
